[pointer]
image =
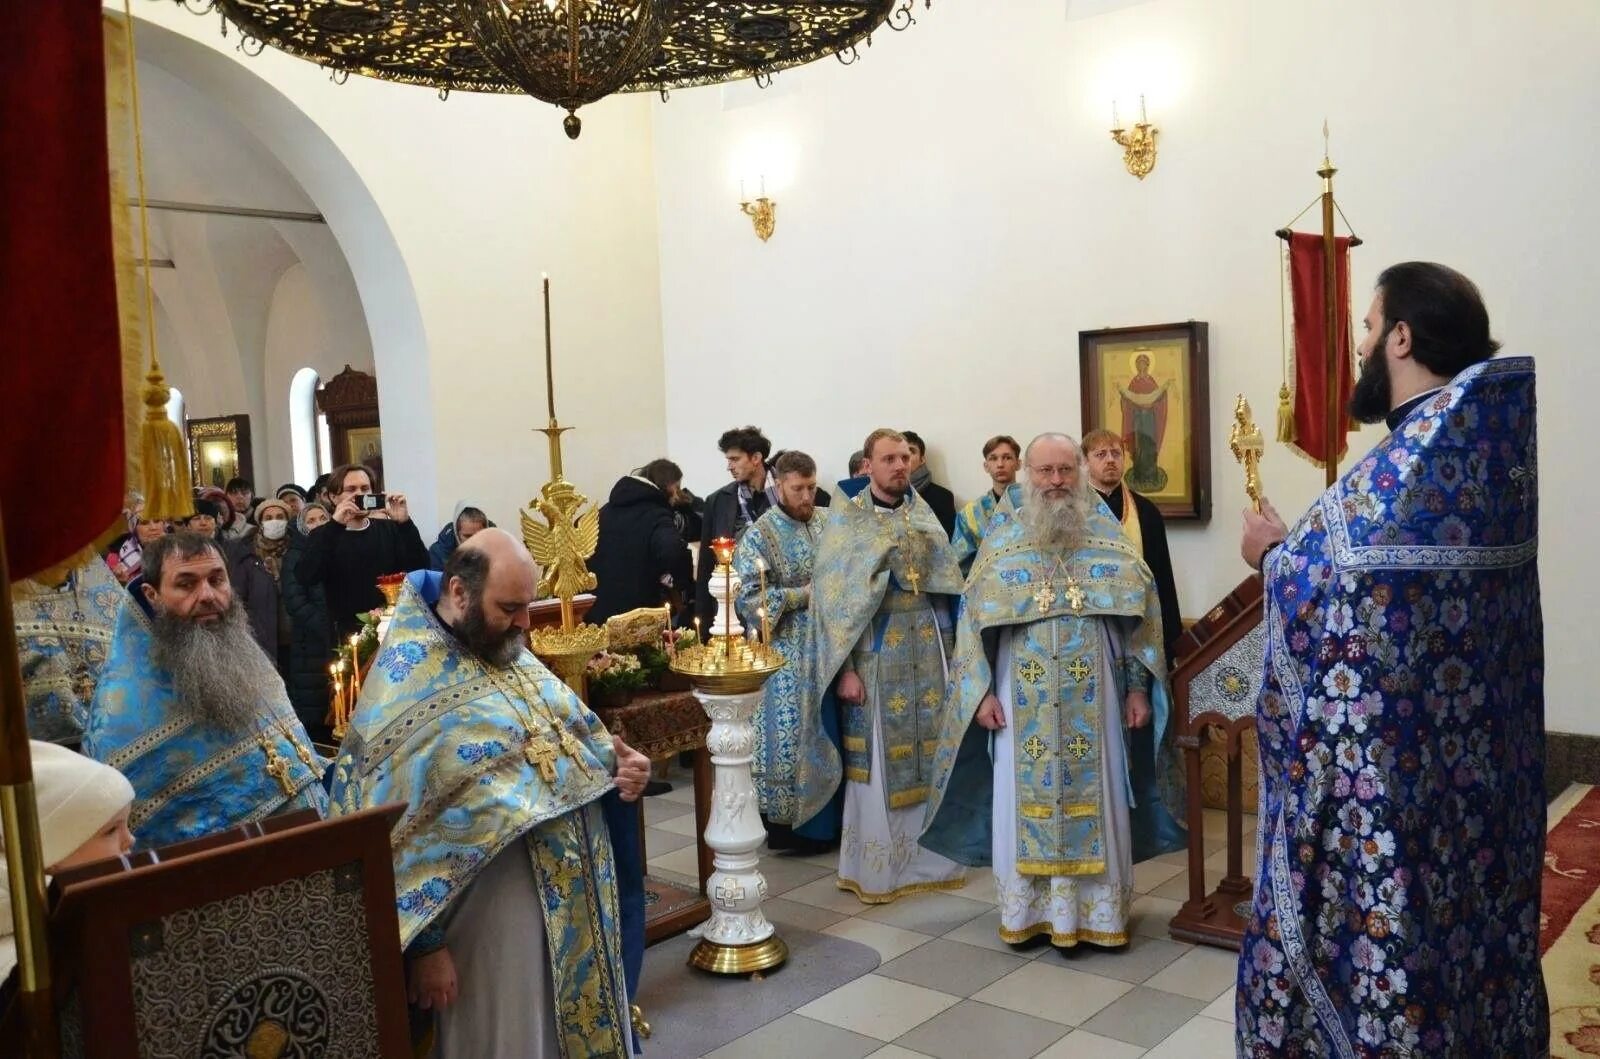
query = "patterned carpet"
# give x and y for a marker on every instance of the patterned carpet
(1570, 923)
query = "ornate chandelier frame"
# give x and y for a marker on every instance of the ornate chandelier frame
(565, 52)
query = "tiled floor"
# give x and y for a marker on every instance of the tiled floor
(949, 988)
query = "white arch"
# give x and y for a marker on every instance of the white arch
(303, 438)
(388, 299)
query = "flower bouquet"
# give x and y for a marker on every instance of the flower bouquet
(612, 679)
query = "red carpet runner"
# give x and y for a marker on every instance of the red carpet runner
(1570, 923)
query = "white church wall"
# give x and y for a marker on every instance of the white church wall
(448, 212)
(951, 213)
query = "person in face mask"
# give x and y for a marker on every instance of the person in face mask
(255, 564)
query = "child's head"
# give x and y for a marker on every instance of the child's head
(83, 817)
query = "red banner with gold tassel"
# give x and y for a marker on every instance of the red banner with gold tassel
(1309, 431)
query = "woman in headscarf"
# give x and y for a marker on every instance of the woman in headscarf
(255, 564)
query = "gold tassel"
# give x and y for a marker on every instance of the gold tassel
(168, 493)
(1286, 430)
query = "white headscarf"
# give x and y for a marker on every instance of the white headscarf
(76, 797)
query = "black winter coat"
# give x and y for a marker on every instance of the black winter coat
(639, 544)
(311, 645)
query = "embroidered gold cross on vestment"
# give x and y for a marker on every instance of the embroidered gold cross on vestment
(1035, 747)
(1079, 747)
(1079, 669)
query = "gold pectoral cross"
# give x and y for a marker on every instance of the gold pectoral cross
(573, 749)
(1045, 597)
(912, 574)
(277, 766)
(1075, 597)
(913, 577)
(541, 752)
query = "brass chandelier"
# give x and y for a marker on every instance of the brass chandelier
(565, 52)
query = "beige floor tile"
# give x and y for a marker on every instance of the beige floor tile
(1059, 994)
(1177, 887)
(1143, 1016)
(1138, 960)
(1149, 874)
(1150, 915)
(1179, 857)
(684, 862)
(1199, 1038)
(1203, 973)
(980, 887)
(973, 1029)
(889, 941)
(824, 893)
(1221, 1008)
(658, 841)
(785, 912)
(928, 913)
(984, 932)
(682, 824)
(878, 1007)
(682, 792)
(657, 811)
(1081, 1044)
(894, 1051)
(797, 1037)
(951, 967)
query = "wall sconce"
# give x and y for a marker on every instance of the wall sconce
(1139, 145)
(762, 212)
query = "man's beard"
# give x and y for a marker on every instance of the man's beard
(1372, 396)
(219, 673)
(497, 649)
(1055, 522)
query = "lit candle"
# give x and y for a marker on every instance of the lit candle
(355, 665)
(766, 627)
(697, 638)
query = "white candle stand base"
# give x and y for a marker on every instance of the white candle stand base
(738, 938)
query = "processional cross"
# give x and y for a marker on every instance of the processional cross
(1247, 444)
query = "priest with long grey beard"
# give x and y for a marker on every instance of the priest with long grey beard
(190, 709)
(1058, 659)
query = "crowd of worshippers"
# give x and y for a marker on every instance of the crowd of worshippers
(982, 688)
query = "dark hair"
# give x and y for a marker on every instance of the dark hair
(1449, 324)
(471, 514)
(748, 440)
(855, 461)
(237, 482)
(317, 486)
(214, 508)
(175, 546)
(998, 440)
(471, 565)
(915, 441)
(661, 473)
(337, 476)
(793, 462)
(290, 488)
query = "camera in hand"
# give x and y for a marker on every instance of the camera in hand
(372, 501)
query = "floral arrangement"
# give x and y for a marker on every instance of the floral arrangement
(610, 673)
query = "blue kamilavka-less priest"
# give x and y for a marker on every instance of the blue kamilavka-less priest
(882, 586)
(190, 709)
(1059, 651)
(505, 875)
(777, 553)
(1401, 718)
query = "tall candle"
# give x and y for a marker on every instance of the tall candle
(549, 364)
(355, 666)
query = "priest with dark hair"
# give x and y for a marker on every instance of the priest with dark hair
(1141, 521)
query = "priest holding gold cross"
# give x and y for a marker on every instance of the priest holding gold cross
(1058, 651)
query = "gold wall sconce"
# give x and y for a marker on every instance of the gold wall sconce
(1138, 144)
(762, 212)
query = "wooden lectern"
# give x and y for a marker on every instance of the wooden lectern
(1215, 686)
(279, 938)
